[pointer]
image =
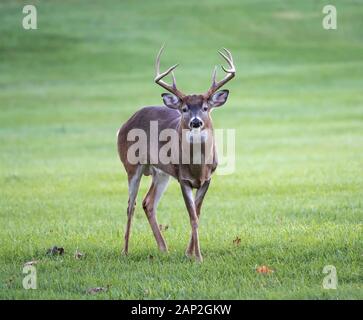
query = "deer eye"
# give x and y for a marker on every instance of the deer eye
(185, 109)
(205, 108)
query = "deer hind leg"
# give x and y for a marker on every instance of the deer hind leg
(134, 178)
(158, 185)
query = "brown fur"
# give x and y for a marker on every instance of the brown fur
(189, 175)
(167, 118)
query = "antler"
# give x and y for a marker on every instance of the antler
(230, 73)
(172, 88)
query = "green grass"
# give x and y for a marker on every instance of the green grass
(295, 200)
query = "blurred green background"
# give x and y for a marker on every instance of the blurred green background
(295, 200)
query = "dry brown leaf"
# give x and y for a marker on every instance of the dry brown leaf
(55, 250)
(237, 241)
(96, 290)
(264, 269)
(78, 255)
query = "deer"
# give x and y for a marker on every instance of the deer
(185, 114)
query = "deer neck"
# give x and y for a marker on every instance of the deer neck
(197, 153)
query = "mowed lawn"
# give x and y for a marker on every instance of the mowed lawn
(295, 200)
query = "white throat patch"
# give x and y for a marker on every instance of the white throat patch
(197, 135)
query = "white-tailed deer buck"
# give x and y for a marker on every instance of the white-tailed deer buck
(189, 117)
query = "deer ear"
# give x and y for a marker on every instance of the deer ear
(218, 99)
(171, 101)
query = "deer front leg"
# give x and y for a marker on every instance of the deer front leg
(201, 192)
(190, 204)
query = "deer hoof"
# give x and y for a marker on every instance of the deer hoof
(188, 253)
(164, 250)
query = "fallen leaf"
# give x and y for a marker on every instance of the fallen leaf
(237, 241)
(30, 263)
(264, 269)
(96, 290)
(55, 250)
(78, 255)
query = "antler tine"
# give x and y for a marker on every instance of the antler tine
(174, 80)
(171, 88)
(230, 72)
(229, 60)
(229, 54)
(157, 62)
(165, 73)
(214, 75)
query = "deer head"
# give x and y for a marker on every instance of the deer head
(195, 109)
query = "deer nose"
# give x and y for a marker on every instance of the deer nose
(195, 123)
